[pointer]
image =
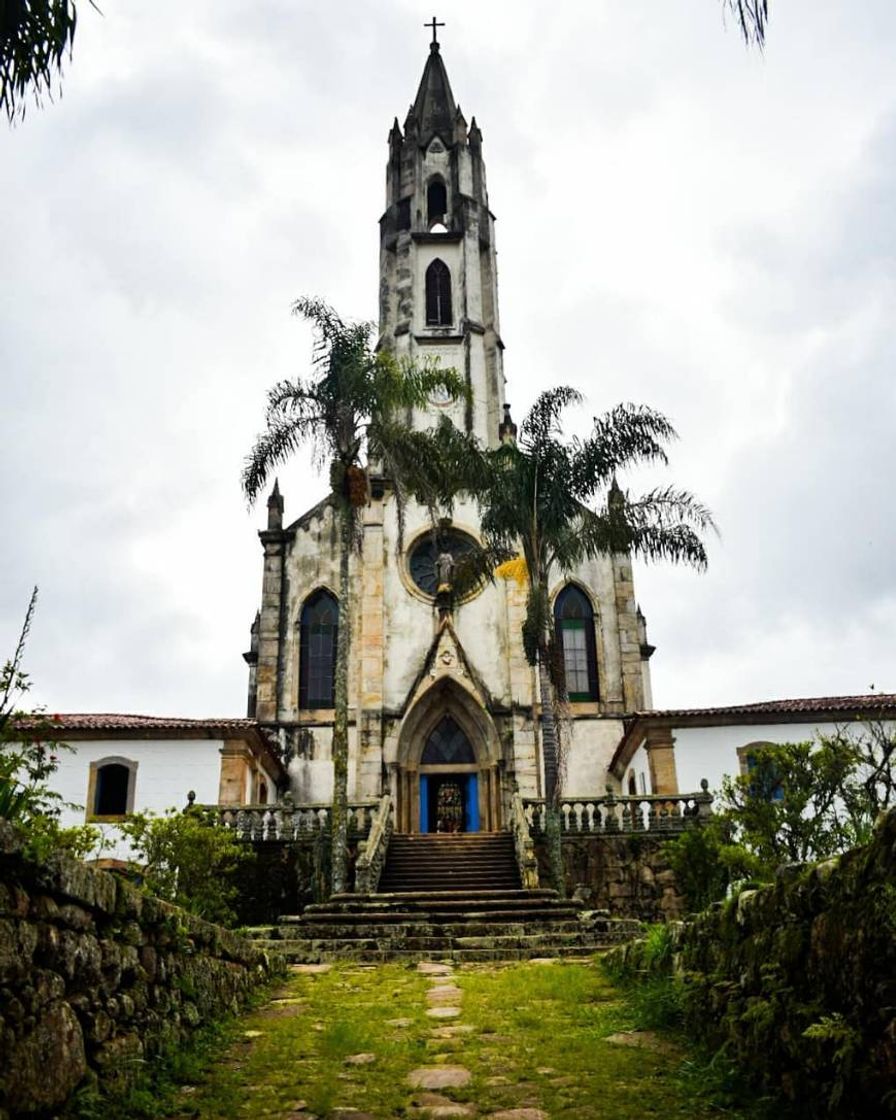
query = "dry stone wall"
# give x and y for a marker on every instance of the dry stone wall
(798, 980)
(96, 978)
(625, 875)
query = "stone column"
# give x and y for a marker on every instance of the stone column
(236, 764)
(275, 541)
(629, 637)
(660, 747)
(370, 651)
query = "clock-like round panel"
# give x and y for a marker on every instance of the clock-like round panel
(423, 559)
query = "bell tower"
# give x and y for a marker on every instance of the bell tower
(438, 274)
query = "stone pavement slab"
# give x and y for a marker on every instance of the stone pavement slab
(443, 1012)
(439, 1077)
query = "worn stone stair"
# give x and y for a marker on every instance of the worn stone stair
(450, 862)
(449, 907)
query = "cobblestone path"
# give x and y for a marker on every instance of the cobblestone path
(524, 1041)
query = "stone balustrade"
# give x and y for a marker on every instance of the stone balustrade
(372, 851)
(617, 814)
(286, 821)
(524, 846)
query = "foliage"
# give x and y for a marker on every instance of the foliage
(752, 15)
(798, 803)
(189, 860)
(29, 756)
(35, 35)
(352, 415)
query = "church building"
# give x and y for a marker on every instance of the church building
(441, 702)
(443, 712)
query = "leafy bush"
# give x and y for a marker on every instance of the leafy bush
(188, 859)
(798, 803)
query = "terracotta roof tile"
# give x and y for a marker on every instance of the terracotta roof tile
(874, 701)
(115, 721)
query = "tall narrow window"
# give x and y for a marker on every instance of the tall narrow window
(436, 202)
(574, 625)
(317, 650)
(438, 295)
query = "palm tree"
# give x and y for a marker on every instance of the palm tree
(555, 504)
(347, 415)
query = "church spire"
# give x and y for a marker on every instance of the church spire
(434, 106)
(438, 269)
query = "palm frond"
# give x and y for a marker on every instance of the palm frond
(623, 437)
(273, 447)
(542, 421)
(752, 15)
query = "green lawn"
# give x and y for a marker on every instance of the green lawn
(538, 1040)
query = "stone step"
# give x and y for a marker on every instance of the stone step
(335, 929)
(386, 899)
(306, 953)
(443, 909)
(459, 861)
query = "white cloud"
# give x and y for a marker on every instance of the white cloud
(681, 222)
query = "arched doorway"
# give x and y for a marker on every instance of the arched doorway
(449, 783)
(448, 771)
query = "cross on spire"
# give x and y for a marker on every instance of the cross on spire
(434, 25)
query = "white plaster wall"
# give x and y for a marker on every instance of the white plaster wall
(593, 743)
(167, 770)
(640, 768)
(711, 752)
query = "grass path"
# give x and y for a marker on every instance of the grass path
(530, 1041)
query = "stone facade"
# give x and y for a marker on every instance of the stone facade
(95, 977)
(410, 668)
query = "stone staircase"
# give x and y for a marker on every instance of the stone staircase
(464, 861)
(454, 897)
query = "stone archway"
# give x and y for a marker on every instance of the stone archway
(447, 739)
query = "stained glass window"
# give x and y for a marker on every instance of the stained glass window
(448, 745)
(574, 625)
(317, 650)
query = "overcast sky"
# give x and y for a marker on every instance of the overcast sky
(681, 222)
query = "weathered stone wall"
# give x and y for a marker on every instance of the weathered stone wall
(96, 977)
(284, 877)
(798, 980)
(627, 875)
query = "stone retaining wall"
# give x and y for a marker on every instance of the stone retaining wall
(798, 980)
(96, 977)
(626, 875)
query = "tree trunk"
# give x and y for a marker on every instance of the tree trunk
(550, 752)
(339, 811)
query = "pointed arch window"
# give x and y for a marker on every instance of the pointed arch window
(318, 631)
(436, 201)
(574, 627)
(438, 295)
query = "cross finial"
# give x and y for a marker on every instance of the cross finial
(434, 25)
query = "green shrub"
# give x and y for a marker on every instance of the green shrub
(188, 859)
